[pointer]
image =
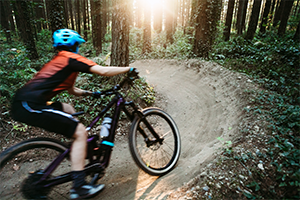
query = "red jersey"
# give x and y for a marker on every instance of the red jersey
(56, 76)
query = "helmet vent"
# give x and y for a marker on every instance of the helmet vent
(66, 35)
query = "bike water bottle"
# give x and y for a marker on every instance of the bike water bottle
(105, 127)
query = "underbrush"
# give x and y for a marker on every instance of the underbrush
(272, 158)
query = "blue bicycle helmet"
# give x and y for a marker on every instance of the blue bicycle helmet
(66, 37)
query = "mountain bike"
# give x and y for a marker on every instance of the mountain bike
(43, 163)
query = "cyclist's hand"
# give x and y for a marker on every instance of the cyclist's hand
(133, 73)
(87, 93)
(97, 94)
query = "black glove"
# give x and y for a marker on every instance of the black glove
(97, 94)
(133, 73)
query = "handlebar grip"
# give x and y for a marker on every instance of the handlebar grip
(97, 94)
(133, 73)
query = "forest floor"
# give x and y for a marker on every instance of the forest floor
(207, 102)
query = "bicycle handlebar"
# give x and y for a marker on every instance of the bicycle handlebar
(115, 88)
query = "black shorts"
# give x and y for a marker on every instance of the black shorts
(49, 117)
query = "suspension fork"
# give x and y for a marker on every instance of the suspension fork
(140, 114)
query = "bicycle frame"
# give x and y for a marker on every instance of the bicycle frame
(98, 165)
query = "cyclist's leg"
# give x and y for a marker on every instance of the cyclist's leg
(79, 146)
(68, 108)
(78, 154)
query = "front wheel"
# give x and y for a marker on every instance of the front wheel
(157, 157)
(21, 167)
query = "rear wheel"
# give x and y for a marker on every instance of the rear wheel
(21, 166)
(157, 158)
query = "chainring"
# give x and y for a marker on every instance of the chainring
(31, 190)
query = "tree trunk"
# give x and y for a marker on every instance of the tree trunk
(297, 34)
(139, 8)
(285, 16)
(88, 15)
(278, 12)
(208, 15)
(147, 29)
(120, 34)
(158, 16)
(66, 14)
(8, 9)
(96, 21)
(169, 15)
(56, 15)
(265, 17)
(253, 19)
(104, 18)
(4, 21)
(239, 17)
(187, 12)
(70, 6)
(175, 5)
(227, 29)
(78, 21)
(25, 28)
(84, 12)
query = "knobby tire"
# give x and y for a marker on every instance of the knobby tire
(158, 159)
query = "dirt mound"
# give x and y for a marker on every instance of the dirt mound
(206, 101)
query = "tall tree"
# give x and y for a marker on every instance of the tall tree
(253, 19)
(26, 28)
(297, 33)
(96, 24)
(169, 22)
(139, 13)
(70, 6)
(104, 12)
(56, 15)
(187, 12)
(120, 34)
(265, 16)
(8, 8)
(4, 21)
(157, 18)
(78, 16)
(147, 28)
(66, 14)
(208, 15)
(241, 16)
(278, 12)
(84, 13)
(228, 21)
(284, 17)
(296, 9)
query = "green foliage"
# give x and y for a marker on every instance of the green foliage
(274, 64)
(16, 68)
(179, 49)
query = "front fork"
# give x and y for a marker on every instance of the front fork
(149, 142)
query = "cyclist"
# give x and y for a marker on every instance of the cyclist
(31, 104)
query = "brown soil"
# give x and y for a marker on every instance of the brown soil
(206, 101)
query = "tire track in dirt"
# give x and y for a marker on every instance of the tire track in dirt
(206, 102)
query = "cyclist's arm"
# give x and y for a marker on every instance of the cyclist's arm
(79, 92)
(108, 71)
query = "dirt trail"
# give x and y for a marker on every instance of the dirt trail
(205, 101)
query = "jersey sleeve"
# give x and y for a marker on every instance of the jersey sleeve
(80, 64)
